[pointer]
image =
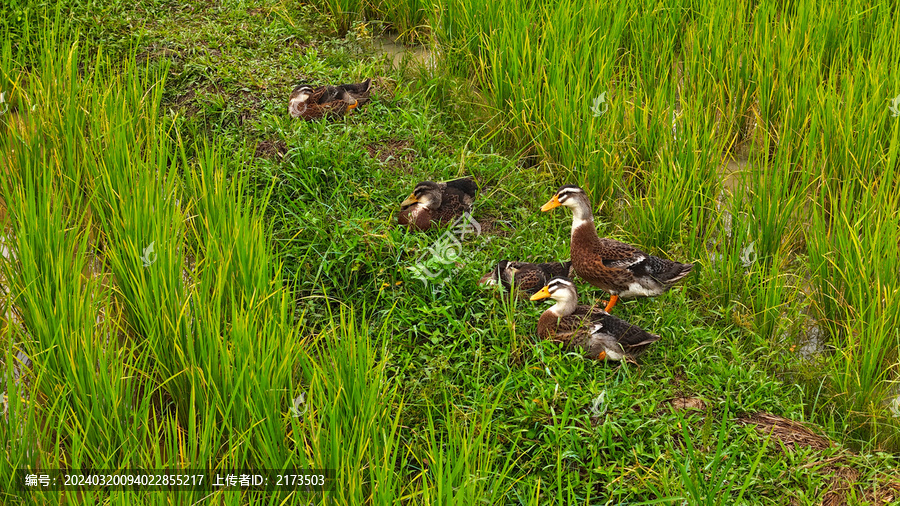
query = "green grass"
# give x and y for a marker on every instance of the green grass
(276, 267)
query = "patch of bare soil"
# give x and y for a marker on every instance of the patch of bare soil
(272, 150)
(683, 403)
(493, 225)
(397, 154)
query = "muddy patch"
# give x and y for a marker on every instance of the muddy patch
(493, 225)
(683, 403)
(398, 53)
(271, 150)
(397, 154)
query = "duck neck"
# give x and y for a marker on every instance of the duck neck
(563, 307)
(582, 216)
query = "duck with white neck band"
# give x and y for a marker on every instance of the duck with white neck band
(599, 334)
(615, 267)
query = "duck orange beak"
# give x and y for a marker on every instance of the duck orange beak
(554, 202)
(409, 200)
(543, 294)
(602, 355)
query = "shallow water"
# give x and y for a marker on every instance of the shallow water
(416, 55)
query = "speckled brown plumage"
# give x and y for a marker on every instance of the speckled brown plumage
(437, 202)
(616, 267)
(527, 277)
(596, 332)
(312, 103)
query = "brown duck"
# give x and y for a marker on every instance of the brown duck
(311, 103)
(528, 278)
(618, 268)
(598, 333)
(437, 202)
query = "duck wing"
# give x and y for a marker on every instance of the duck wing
(617, 254)
(626, 334)
(453, 204)
(556, 269)
(358, 89)
(572, 329)
(661, 270)
(465, 186)
(528, 277)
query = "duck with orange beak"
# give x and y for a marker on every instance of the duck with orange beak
(437, 202)
(616, 267)
(599, 334)
(311, 103)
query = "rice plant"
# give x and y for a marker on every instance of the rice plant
(185, 300)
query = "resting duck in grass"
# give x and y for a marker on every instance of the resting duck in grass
(437, 202)
(528, 278)
(598, 333)
(311, 103)
(618, 268)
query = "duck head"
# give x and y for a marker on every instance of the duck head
(298, 103)
(563, 291)
(575, 199)
(426, 194)
(502, 274)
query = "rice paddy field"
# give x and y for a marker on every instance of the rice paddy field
(192, 279)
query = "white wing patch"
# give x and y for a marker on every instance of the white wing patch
(636, 289)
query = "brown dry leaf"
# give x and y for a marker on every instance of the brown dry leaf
(885, 493)
(271, 149)
(683, 403)
(843, 480)
(787, 431)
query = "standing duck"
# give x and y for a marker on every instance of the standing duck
(311, 103)
(598, 333)
(528, 278)
(618, 268)
(437, 202)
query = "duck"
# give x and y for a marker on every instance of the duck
(311, 103)
(615, 267)
(441, 203)
(599, 334)
(527, 277)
